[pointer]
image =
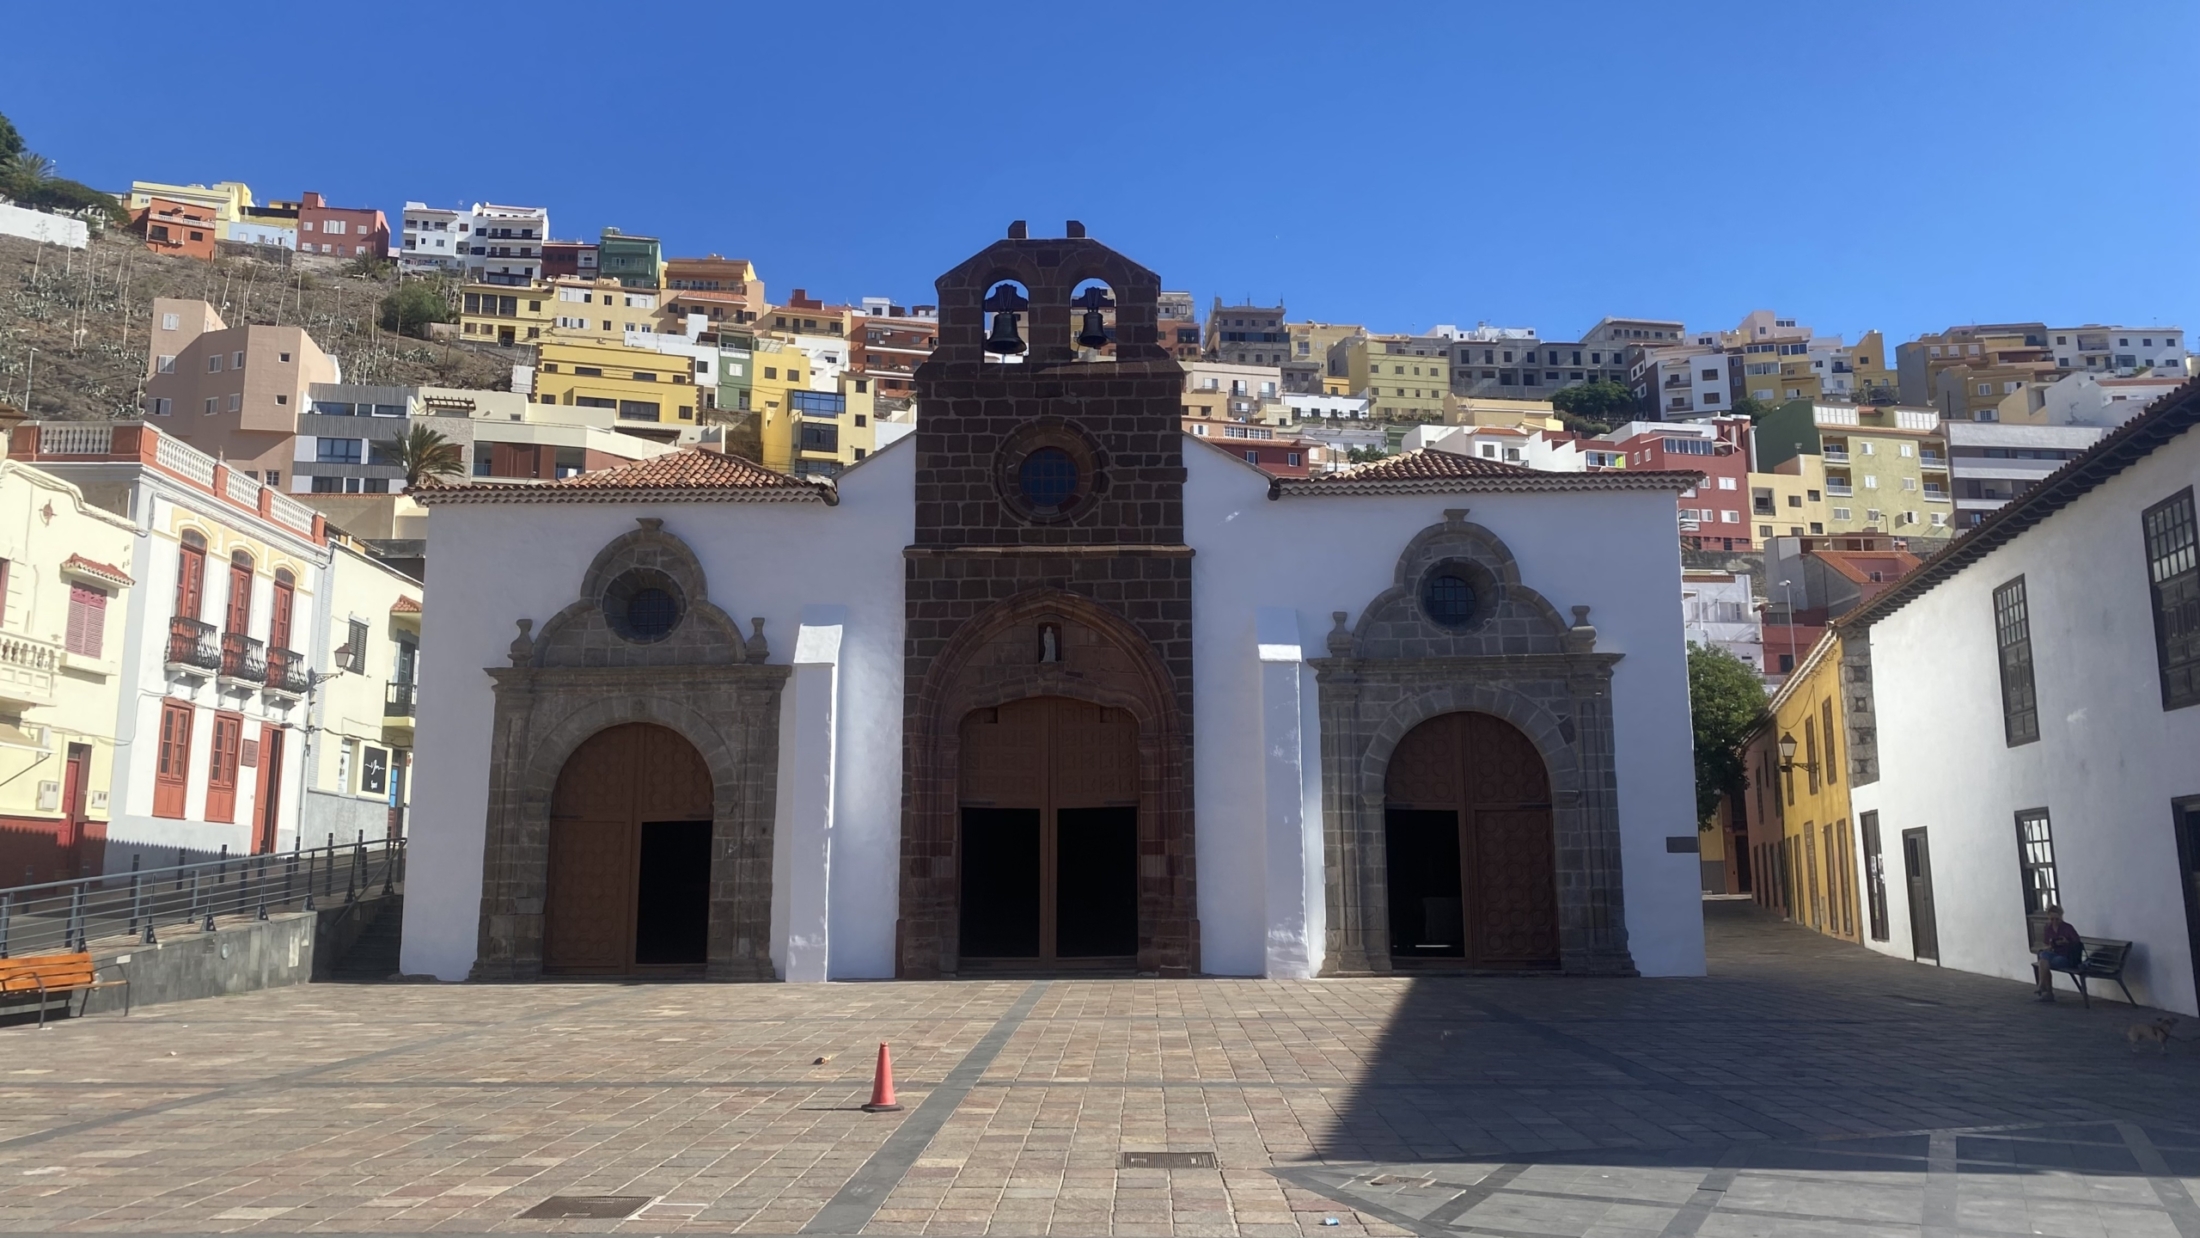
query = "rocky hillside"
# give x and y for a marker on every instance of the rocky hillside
(85, 314)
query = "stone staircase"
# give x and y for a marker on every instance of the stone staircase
(373, 956)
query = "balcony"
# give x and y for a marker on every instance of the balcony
(400, 702)
(1838, 489)
(27, 671)
(1932, 460)
(243, 659)
(1835, 455)
(191, 647)
(287, 674)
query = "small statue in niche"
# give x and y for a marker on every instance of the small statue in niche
(1050, 642)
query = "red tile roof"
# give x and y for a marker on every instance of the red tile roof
(686, 476)
(1430, 471)
(92, 567)
(405, 606)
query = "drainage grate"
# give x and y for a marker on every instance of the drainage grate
(586, 1207)
(1165, 1160)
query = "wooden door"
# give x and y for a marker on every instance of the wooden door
(1471, 859)
(1049, 837)
(1917, 865)
(240, 596)
(619, 781)
(190, 579)
(278, 618)
(2188, 863)
(221, 767)
(171, 776)
(268, 803)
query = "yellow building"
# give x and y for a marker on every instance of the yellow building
(1802, 840)
(804, 431)
(1402, 377)
(1872, 376)
(639, 386)
(65, 577)
(1790, 501)
(603, 309)
(504, 314)
(1886, 466)
(227, 199)
(1469, 410)
(361, 763)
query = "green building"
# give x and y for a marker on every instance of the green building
(635, 261)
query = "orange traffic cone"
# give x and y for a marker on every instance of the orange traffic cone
(882, 1084)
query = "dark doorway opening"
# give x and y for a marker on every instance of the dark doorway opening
(1049, 845)
(1000, 882)
(672, 896)
(2187, 822)
(1917, 867)
(1471, 859)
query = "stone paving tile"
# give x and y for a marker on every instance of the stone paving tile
(1432, 1105)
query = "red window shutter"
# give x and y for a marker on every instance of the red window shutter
(87, 620)
(190, 581)
(221, 768)
(278, 626)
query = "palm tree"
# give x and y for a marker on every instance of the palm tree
(28, 169)
(424, 454)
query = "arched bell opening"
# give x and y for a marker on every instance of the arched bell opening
(1469, 847)
(1092, 306)
(1007, 308)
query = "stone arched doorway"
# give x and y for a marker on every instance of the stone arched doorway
(1469, 851)
(1048, 836)
(628, 887)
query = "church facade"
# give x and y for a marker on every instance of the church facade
(1052, 688)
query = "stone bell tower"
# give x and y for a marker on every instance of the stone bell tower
(1049, 568)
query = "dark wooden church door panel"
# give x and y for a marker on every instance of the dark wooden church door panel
(1516, 895)
(614, 784)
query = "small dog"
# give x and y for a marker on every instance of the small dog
(2157, 1031)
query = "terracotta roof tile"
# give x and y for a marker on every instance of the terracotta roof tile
(1430, 471)
(93, 567)
(686, 476)
(405, 606)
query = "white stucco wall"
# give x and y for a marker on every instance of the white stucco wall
(2107, 765)
(1611, 551)
(490, 565)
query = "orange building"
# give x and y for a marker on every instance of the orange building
(172, 227)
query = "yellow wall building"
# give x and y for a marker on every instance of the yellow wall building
(1402, 377)
(1468, 410)
(1790, 501)
(503, 314)
(65, 577)
(639, 386)
(1803, 848)
(227, 199)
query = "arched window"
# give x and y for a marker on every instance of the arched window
(278, 620)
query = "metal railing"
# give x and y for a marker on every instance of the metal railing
(191, 643)
(243, 658)
(286, 672)
(118, 910)
(401, 700)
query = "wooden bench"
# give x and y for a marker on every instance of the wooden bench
(2102, 960)
(47, 975)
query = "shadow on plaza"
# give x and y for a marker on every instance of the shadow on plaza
(1798, 1052)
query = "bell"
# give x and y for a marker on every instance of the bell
(1003, 338)
(1095, 333)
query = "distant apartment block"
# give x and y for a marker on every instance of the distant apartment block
(232, 392)
(341, 231)
(506, 244)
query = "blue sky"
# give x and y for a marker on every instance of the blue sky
(1898, 165)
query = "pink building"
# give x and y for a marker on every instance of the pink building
(341, 232)
(232, 392)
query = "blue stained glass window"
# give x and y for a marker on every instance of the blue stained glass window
(1048, 478)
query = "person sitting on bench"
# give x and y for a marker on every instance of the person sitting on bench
(2060, 947)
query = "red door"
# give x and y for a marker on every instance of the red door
(72, 807)
(268, 807)
(221, 768)
(278, 622)
(170, 779)
(240, 598)
(190, 580)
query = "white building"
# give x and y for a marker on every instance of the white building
(2120, 350)
(505, 244)
(225, 636)
(1992, 462)
(1684, 382)
(433, 239)
(1719, 612)
(1306, 406)
(2097, 399)
(2036, 692)
(693, 714)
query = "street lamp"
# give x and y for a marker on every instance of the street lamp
(1787, 755)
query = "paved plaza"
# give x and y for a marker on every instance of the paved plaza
(1806, 1088)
